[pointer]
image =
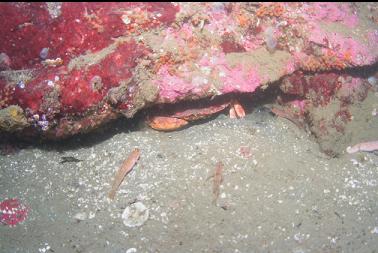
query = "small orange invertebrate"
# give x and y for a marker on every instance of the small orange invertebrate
(328, 61)
(236, 110)
(162, 123)
(243, 20)
(271, 10)
(181, 118)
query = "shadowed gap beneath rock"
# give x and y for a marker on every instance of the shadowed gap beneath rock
(250, 101)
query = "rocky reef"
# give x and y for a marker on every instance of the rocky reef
(67, 68)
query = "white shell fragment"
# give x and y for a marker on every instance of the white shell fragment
(135, 215)
(81, 216)
(131, 250)
(125, 19)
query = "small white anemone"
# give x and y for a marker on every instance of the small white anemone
(372, 80)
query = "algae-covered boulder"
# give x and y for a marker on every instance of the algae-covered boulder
(116, 59)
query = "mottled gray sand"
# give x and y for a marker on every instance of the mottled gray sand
(286, 197)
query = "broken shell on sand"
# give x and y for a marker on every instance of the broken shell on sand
(135, 215)
(80, 216)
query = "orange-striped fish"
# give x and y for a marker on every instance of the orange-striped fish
(217, 181)
(126, 167)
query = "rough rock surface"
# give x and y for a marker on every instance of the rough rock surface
(70, 67)
(12, 119)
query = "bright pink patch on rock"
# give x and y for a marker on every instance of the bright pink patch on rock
(239, 80)
(234, 79)
(12, 212)
(172, 87)
(290, 67)
(357, 52)
(373, 40)
(334, 12)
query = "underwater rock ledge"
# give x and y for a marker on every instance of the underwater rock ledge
(68, 68)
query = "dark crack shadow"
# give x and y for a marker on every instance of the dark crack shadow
(12, 143)
(9, 143)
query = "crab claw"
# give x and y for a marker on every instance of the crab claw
(165, 123)
(236, 110)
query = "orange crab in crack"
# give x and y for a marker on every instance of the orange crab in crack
(184, 114)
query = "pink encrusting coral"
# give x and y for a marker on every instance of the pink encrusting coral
(251, 43)
(290, 66)
(239, 79)
(373, 40)
(180, 37)
(233, 78)
(172, 87)
(346, 48)
(352, 51)
(220, 22)
(331, 12)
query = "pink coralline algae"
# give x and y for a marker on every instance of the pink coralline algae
(346, 48)
(334, 12)
(171, 86)
(70, 67)
(12, 212)
(238, 79)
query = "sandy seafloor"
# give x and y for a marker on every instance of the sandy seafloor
(286, 197)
